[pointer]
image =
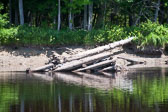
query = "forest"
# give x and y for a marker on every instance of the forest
(83, 22)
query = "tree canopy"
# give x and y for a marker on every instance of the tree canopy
(105, 12)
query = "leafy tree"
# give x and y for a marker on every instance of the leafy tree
(3, 17)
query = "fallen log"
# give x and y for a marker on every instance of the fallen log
(110, 75)
(43, 68)
(100, 49)
(82, 59)
(110, 68)
(69, 66)
(132, 60)
(97, 65)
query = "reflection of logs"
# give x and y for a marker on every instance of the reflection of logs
(93, 59)
(95, 81)
(45, 77)
(43, 68)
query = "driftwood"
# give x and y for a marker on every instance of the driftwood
(110, 75)
(100, 49)
(110, 68)
(132, 60)
(78, 63)
(43, 68)
(100, 64)
(86, 61)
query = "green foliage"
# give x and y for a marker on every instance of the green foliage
(8, 36)
(150, 33)
(3, 17)
(24, 35)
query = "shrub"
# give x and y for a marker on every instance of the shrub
(3, 17)
(151, 34)
(147, 34)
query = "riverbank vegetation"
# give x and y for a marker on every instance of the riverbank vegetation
(83, 22)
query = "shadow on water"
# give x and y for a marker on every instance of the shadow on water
(136, 91)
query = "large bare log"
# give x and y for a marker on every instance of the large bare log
(97, 65)
(100, 49)
(69, 66)
(110, 75)
(110, 68)
(43, 68)
(132, 60)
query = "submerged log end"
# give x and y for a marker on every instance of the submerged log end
(28, 70)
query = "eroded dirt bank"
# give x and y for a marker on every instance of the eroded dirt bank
(19, 59)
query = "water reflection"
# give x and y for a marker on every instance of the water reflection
(143, 90)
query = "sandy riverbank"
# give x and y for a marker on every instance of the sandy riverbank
(19, 59)
(12, 59)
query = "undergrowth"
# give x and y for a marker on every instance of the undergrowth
(147, 34)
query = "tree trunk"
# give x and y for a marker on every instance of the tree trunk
(10, 11)
(134, 61)
(70, 17)
(59, 15)
(110, 68)
(104, 19)
(100, 49)
(16, 16)
(167, 17)
(139, 17)
(97, 65)
(131, 23)
(21, 13)
(100, 17)
(85, 17)
(43, 68)
(157, 11)
(90, 19)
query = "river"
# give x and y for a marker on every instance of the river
(144, 90)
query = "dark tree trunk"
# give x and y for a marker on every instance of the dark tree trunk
(85, 17)
(100, 17)
(157, 11)
(10, 11)
(70, 17)
(21, 13)
(131, 23)
(90, 20)
(59, 15)
(16, 13)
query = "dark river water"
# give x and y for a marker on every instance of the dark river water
(139, 91)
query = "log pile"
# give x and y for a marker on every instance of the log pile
(97, 59)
